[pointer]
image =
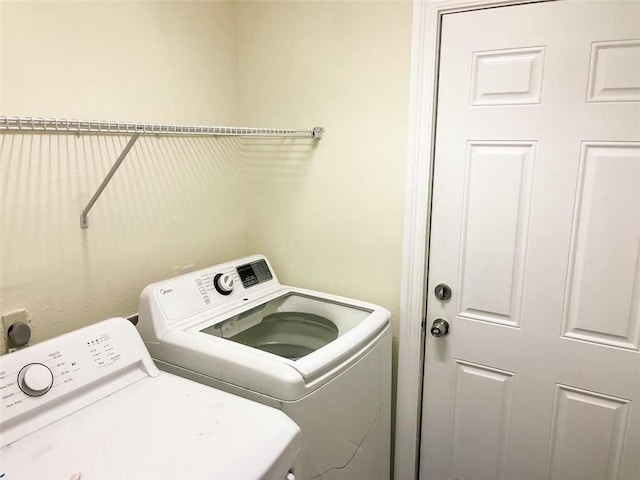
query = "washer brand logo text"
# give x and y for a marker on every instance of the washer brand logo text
(164, 291)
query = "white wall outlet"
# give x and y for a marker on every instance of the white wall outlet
(10, 318)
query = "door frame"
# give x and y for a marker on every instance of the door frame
(427, 24)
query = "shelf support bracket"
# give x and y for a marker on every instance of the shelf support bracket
(84, 221)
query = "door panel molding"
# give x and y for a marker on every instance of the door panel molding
(507, 77)
(500, 255)
(427, 21)
(479, 447)
(580, 413)
(607, 182)
(609, 57)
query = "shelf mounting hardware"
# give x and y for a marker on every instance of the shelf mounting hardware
(99, 127)
(84, 221)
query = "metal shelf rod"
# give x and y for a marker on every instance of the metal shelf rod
(97, 127)
(57, 125)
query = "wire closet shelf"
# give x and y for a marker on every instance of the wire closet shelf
(99, 127)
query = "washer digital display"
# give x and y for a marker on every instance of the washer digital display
(254, 273)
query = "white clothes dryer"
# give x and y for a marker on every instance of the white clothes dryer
(324, 360)
(91, 404)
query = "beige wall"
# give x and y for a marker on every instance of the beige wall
(141, 61)
(174, 202)
(329, 217)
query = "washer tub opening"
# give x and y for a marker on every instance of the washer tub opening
(291, 325)
(289, 334)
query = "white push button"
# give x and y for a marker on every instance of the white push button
(35, 379)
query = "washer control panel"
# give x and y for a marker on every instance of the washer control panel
(188, 294)
(254, 273)
(37, 376)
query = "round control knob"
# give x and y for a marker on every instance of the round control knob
(223, 283)
(35, 379)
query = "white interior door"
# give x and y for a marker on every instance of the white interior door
(536, 229)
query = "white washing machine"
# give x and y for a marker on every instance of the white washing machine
(322, 359)
(91, 405)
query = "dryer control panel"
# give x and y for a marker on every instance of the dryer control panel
(81, 367)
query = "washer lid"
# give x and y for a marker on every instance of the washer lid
(292, 325)
(307, 330)
(177, 318)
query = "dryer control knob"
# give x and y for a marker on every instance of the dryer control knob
(223, 283)
(35, 379)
